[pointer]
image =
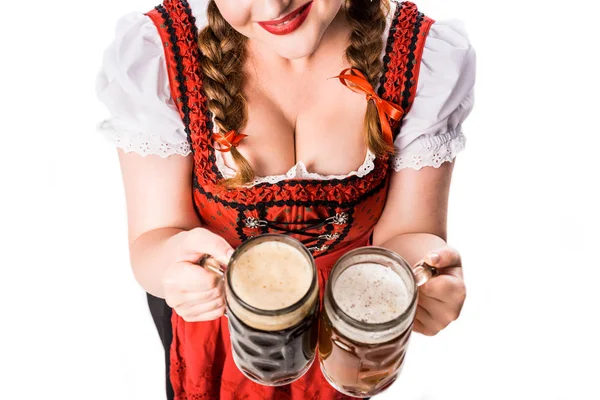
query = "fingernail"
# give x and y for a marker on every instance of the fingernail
(434, 258)
(229, 254)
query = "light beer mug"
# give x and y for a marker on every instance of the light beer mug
(369, 308)
(272, 295)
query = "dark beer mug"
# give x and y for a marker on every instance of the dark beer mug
(272, 297)
(369, 308)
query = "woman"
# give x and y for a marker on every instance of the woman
(229, 125)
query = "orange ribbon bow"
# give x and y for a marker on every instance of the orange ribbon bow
(228, 140)
(387, 110)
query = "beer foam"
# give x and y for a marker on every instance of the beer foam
(371, 293)
(271, 275)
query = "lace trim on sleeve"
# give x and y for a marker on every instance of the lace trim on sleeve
(430, 150)
(142, 143)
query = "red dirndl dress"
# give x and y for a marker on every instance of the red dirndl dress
(334, 216)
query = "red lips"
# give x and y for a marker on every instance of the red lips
(289, 23)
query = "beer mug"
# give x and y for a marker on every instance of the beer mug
(272, 295)
(369, 308)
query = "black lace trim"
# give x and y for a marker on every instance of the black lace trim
(180, 78)
(191, 18)
(389, 48)
(194, 31)
(408, 75)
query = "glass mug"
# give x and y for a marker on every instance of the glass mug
(369, 308)
(272, 295)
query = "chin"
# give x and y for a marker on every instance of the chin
(301, 45)
(294, 51)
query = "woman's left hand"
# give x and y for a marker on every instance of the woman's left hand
(442, 297)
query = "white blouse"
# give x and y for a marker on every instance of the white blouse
(134, 86)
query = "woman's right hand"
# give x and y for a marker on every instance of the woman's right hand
(195, 293)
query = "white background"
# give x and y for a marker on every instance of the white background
(524, 212)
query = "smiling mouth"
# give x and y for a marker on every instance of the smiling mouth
(289, 23)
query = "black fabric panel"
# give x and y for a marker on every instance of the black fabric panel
(161, 314)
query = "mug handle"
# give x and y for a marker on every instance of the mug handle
(210, 263)
(423, 272)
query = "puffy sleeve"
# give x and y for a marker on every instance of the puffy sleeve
(134, 86)
(431, 132)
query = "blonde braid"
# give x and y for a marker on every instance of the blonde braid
(222, 57)
(368, 21)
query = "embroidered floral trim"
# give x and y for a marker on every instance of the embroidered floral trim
(142, 143)
(439, 148)
(389, 48)
(405, 46)
(298, 171)
(400, 50)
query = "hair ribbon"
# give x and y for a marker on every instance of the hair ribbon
(386, 109)
(228, 140)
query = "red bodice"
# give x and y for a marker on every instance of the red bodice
(329, 216)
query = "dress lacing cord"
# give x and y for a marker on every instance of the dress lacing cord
(340, 218)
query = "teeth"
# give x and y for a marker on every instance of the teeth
(287, 22)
